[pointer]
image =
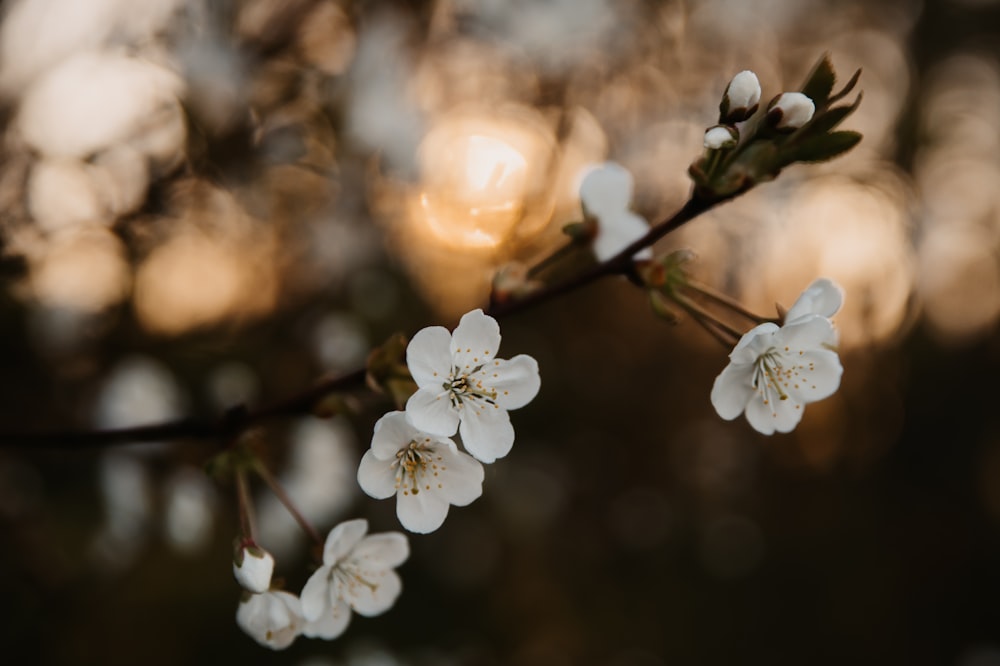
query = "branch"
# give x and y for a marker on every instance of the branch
(238, 419)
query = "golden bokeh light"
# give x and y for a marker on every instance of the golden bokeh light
(485, 178)
(82, 270)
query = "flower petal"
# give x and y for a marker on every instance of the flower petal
(428, 356)
(823, 297)
(376, 477)
(732, 390)
(618, 230)
(382, 551)
(316, 594)
(486, 432)
(818, 376)
(421, 512)
(606, 189)
(331, 623)
(753, 343)
(460, 478)
(809, 332)
(431, 411)
(392, 432)
(342, 540)
(475, 340)
(377, 598)
(780, 415)
(516, 381)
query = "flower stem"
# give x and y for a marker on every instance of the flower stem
(720, 330)
(265, 474)
(724, 300)
(245, 504)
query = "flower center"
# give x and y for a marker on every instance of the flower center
(770, 375)
(416, 463)
(464, 387)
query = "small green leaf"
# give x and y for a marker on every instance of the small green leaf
(580, 232)
(836, 97)
(824, 122)
(821, 148)
(819, 84)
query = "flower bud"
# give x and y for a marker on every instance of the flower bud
(790, 110)
(253, 567)
(740, 99)
(720, 136)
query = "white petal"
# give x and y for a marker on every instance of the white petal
(342, 540)
(486, 431)
(753, 343)
(382, 551)
(516, 381)
(475, 340)
(818, 375)
(316, 594)
(392, 432)
(421, 512)
(823, 297)
(732, 390)
(780, 415)
(377, 598)
(376, 477)
(254, 574)
(461, 479)
(606, 189)
(331, 624)
(809, 332)
(431, 411)
(428, 356)
(618, 230)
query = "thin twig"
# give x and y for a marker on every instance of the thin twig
(265, 474)
(722, 299)
(245, 505)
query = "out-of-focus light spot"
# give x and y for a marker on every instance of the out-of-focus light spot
(326, 39)
(374, 293)
(341, 342)
(233, 383)
(62, 195)
(125, 489)
(193, 280)
(190, 501)
(531, 493)
(95, 100)
(484, 178)
(320, 478)
(137, 391)
(84, 270)
(856, 233)
(959, 281)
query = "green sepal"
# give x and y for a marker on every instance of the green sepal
(822, 147)
(819, 83)
(581, 232)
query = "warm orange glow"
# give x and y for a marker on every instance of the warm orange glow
(480, 174)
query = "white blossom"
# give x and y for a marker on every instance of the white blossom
(743, 90)
(774, 371)
(357, 574)
(427, 473)
(463, 386)
(253, 567)
(273, 618)
(791, 110)
(606, 192)
(719, 137)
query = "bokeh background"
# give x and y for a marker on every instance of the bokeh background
(205, 202)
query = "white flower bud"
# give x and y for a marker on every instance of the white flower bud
(741, 98)
(744, 90)
(720, 136)
(790, 110)
(253, 567)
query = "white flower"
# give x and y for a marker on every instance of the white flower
(718, 137)
(791, 110)
(357, 573)
(253, 567)
(425, 472)
(774, 372)
(606, 192)
(741, 97)
(273, 619)
(463, 386)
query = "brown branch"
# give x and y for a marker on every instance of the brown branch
(238, 419)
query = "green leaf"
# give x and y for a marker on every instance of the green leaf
(820, 148)
(826, 121)
(836, 97)
(819, 84)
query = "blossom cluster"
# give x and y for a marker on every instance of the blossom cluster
(463, 387)
(356, 575)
